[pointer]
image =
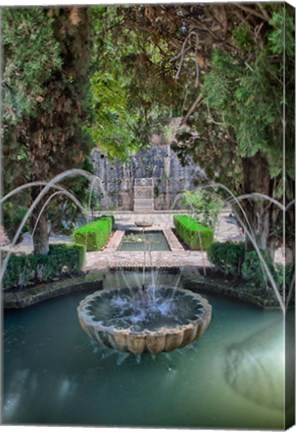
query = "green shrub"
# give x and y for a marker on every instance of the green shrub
(205, 205)
(94, 235)
(227, 256)
(253, 271)
(68, 254)
(61, 258)
(109, 217)
(231, 258)
(194, 235)
(19, 271)
(283, 274)
(290, 273)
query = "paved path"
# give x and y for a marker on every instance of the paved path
(112, 258)
(177, 257)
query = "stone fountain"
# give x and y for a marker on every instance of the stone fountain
(140, 320)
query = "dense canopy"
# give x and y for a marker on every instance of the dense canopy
(75, 77)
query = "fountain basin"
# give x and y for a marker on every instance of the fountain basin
(144, 224)
(124, 320)
(139, 241)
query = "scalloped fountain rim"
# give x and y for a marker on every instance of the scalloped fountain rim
(153, 341)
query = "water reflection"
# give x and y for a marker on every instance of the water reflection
(255, 366)
(54, 375)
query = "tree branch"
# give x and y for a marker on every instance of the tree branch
(193, 107)
(211, 118)
(184, 50)
(264, 11)
(251, 11)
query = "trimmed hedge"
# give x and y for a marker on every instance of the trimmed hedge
(227, 256)
(94, 235)
(232, 259)
(194, 235)
(61, 258)
(111, 217)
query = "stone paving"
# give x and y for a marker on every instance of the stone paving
(177, 257)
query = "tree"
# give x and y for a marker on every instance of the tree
(243, 96)
(219, 67)
(228, 61)
(125, 115)
(45, 97)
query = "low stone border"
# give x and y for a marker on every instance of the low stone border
(42, 292)
(116, 238)
(111, 257)
(253, 295)
(172, 240)
(114, 241)
(192, 281)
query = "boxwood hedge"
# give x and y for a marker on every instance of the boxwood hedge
(194, 235)
(94, 235)
(232, 259)
(25, 269)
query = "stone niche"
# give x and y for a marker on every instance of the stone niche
(158, 163)
(143, 194)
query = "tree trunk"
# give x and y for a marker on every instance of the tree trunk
(262, 215)
(54, 136)
(40, 236)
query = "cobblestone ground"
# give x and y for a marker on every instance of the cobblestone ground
(178, 256)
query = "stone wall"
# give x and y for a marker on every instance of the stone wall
(159, 162)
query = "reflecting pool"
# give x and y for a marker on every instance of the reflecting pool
(232, 377)
(141, 241)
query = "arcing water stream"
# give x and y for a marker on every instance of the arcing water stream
(245, 224)
(51, 184)
(237, 367)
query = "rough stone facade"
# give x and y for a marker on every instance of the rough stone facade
(159, 162)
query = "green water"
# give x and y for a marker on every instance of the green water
(141, 241)
(232, 377)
